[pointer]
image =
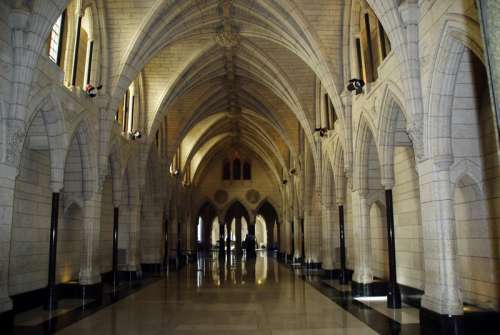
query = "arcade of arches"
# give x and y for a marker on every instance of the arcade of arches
(144, 138)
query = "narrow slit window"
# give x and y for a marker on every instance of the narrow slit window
(359, 59)
(125, 111)
(247, 171)
(89, 62)
(226, 170)
(381, 34)
(56, 39)
(371, 59)
(236, 169)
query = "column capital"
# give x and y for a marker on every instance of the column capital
(56, 186)
(442, 163)
(388, 183)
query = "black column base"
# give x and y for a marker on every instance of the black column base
(330, 274)
(432, 323)
(76, 290)
(151, 268)
(344, 277)
(52, 297)
(393, 296)
(312, 265)
(373, 289)
(7, 322)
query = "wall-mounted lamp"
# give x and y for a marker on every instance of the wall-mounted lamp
(91, 90)
(322, 131)
(293, 171)
(285, 182)
(356, 85)
(134, 135)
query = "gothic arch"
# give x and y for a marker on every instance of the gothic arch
(235, 207)
(445, 69)
(49, 108)
(365, 137)
(392, 119)
(81, 139)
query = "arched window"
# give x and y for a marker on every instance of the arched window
(330, 114)
(372, 46)
(226, 170)
(237, 169)
(247, 171)
(125, 113)
(57, 40)
(83, 52)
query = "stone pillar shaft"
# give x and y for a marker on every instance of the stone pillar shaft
(51, 284)
(442, 289)
(343, 273)
(7, 186)
(393, 293)
(490, 11)
(238, 235)
(362, 269)
(90, 267)
(116, 218)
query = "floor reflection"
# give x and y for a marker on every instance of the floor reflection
(234, 270)
(222, 295)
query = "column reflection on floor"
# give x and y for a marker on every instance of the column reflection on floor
(232, 295)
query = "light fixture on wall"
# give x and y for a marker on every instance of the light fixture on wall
(322, 131)
(293, 171)
(356, 85)
(134, 135)
(91, 90)
(285, 182)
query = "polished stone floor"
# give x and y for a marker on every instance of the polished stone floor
(219, 297)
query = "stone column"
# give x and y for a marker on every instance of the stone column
(362, 270)
(490, 12)
(327, 259)
(238, 236)
(313, 217)
(343, 277)
(172, 240)
(90, 269)
(165, 242)
(134, 240)
(221, 237)
(393, 291)
(442, 289)
(51, 302)
(228, 241)
(116, 222)
(7, 186)
(297, 237)
(251, 232)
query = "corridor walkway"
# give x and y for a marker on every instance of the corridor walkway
(259, 297)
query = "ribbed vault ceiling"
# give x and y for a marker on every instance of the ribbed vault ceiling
(229, 74)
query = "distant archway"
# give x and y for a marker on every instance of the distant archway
(204, 226)
(234, 218)
(270, 217)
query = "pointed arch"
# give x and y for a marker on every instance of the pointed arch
(48, 108)
(452, 44)
(365, 143)
(392, 131)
